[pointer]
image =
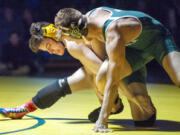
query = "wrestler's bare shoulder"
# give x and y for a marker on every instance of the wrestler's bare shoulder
(98, 17)
(129, 27)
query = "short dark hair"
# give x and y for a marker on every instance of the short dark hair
(36, 35)
(34, 42)
(66, 16)
(36, 27)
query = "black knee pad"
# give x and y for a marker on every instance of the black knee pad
(146, 123)
(48, 95)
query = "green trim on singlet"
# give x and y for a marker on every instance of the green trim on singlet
(116, 14)
(155, 41)
(92, 11)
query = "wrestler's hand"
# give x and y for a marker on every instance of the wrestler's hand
(101, 127)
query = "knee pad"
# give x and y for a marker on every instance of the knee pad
(48, 95)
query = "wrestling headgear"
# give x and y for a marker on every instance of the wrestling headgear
(76, 30)
(50, 31)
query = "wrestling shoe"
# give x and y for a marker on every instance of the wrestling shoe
(13, 113)
(93, 116)
(18, 112)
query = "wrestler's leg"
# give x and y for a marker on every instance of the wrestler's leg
(167, 54)
(80, 80)
(171, 64)
(48, 95)
(142, 108)
(145, 115)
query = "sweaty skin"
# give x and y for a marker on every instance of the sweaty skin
(87, 75)
(118, 35)
(92, 55)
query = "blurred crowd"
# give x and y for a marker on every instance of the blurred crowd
(17, 16)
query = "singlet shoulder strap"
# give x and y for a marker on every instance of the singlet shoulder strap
(93, 10)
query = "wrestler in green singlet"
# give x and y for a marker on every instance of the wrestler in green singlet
(155, 41)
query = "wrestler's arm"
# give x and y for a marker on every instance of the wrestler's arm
(85, 55)
(118, 67)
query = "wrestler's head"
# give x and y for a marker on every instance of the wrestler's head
(38, 42)
(45, 29)
(72, 22)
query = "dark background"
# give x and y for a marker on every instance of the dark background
(16, 16)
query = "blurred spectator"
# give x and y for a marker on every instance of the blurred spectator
(9, 22)
(171, 19)
(19, 16)
(16, 59)
(27, 21)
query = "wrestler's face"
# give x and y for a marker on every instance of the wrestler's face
(52, 46)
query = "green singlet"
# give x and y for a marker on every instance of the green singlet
(155, 41)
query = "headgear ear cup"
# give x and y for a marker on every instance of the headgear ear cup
(50, 31)
(82, 23)
(74, 31)
(79, 29)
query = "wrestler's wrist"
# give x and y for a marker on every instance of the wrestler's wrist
(103, 118)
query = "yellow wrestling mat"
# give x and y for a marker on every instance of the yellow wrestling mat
(69, 115)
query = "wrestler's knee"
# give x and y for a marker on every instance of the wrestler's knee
(176, 80)
(177, 83)
(146, 104)
(171, 64)
(146, 123)
(143, 114)
(150, 113)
